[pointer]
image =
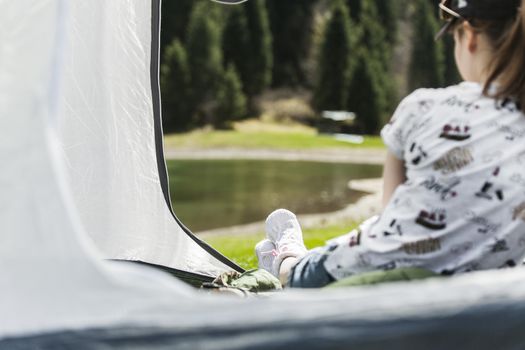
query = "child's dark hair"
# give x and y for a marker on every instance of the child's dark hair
(507, 67)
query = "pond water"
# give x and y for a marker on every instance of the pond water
(208, 194)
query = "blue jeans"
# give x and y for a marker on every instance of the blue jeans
(310, 272)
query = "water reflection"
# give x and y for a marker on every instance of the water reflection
(209, 194)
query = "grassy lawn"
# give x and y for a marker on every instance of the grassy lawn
(264, 138)
(241, 248)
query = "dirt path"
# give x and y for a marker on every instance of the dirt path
(343, 155)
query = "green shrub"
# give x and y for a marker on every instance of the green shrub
(292, 26)
(247, 44)
(427, 63)
(231, 102)
(366, 97)
(336, 62)
(177, 109)
(205, 60)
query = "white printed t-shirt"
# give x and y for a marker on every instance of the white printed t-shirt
(462, 207)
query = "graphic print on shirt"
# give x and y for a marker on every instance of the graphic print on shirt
(465, 138)
(394, 229)
(467, 106)
(416, 119)
(511, 133)
(399, 133)
(434, 219)
(507, 104)
(444, 189)
(484, 225)
(388, 266)
(454, 160)
(473, 266)
(508, 263)
(461, 248)
(518, 213)
(355, 240)
(490, 189)
(425, 246)
(425, 106)
(455, 131)
(417, 153)
(363, 260)
(500, 246)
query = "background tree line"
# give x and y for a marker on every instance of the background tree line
(355, 55)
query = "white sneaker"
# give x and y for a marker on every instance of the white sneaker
(266, 253)
(283, 229)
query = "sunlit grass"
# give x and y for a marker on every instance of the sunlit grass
(241, 248)
(263, 139)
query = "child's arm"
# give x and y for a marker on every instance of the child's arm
(394, 174)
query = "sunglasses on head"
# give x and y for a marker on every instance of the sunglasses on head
(446, 13)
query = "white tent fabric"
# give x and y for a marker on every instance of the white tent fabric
(107, 130)
(57, 293)
(47, 282)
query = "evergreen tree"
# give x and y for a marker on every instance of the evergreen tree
(435, 6)
(389, 12)
(247, 44)
(451, 74)
(236, 40)
(367, 98)
(177, 109)
(355, 7)
(175, 18)
(373, 35)
(378, 50)
(205, 59)
(231, 102)
(336, 61)
(451, 71)
(291, 24)
(427, 62)
(261, 45)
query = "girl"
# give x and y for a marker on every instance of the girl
(454, 178)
